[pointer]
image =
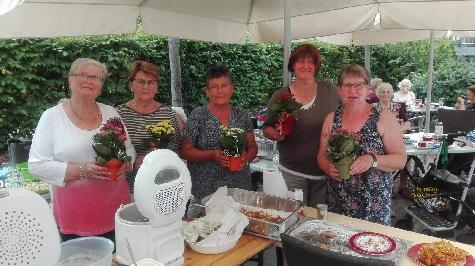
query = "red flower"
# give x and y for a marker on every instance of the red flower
(285, 111)
(286, 96)
(285, 124)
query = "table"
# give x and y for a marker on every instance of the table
(247, 247)
(415, 238)
(412, 149)
(263, 164)
(423, 110)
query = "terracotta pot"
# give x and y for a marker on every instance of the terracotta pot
(113, 166)
(234, 163)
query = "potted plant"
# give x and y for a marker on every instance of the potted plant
(342, 149)
(233, 144)
(109, 146)
(162, 134)
(285, 112)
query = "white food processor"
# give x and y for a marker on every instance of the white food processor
(28, 233)
(153, 223)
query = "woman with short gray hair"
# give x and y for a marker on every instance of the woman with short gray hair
(385, 94)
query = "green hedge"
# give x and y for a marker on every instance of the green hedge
(33, 72)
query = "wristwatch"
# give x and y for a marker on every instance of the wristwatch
(375, 161)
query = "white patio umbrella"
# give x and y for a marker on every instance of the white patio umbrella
(232, 21)
(8, 5)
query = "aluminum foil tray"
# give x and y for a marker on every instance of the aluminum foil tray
(272, 205)
(335, 237)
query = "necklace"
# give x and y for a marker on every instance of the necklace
(79, 117)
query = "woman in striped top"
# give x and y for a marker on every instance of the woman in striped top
(144, 110)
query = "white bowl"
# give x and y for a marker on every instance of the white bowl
(91, 251)
(213, 249)
(148, 262)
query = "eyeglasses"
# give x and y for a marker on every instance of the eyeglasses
(84, 77)
(217, 88)
(142, 83)
(357, 85)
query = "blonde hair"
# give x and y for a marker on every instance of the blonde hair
(80, 62)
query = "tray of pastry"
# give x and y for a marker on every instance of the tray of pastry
(269, 216)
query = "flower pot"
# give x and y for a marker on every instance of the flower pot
(234, 163)
(285, 125)
(113, 166)
(343, 167)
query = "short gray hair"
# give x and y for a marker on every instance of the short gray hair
(375, 82)
(405, 82)
(384, 86)
(87, 61)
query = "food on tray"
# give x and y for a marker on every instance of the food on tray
(261, 215)
(442, 253)
(372, 243)
(327, 235)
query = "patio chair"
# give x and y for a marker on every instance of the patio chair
(300, 253)
(456, 120)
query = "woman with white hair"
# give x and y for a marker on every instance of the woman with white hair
(385, 94)
(84, 199)
(404, 95)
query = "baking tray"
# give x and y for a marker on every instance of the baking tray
(316, 232)
(271, 230)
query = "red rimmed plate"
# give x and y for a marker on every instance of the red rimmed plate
(413, 252)
(372, 243)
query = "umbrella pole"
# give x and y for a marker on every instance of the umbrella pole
(429, 81)
(287, 41)
(367, 58)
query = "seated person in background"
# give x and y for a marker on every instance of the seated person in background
(372, 97)
(469, 104)
(404, 94)
(385, 94)
(471, 98)
(460, 103)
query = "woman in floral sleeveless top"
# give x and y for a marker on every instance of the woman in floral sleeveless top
(367, 193)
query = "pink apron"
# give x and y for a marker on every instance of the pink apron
(87, 207)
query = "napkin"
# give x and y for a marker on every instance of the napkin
(232, 226)
(220, 203)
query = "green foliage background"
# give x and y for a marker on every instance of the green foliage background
(33, 72)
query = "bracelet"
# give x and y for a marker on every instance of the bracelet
(81, 173)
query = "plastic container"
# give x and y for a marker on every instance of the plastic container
(90, 251)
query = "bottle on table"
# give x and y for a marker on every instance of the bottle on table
(439, 129)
